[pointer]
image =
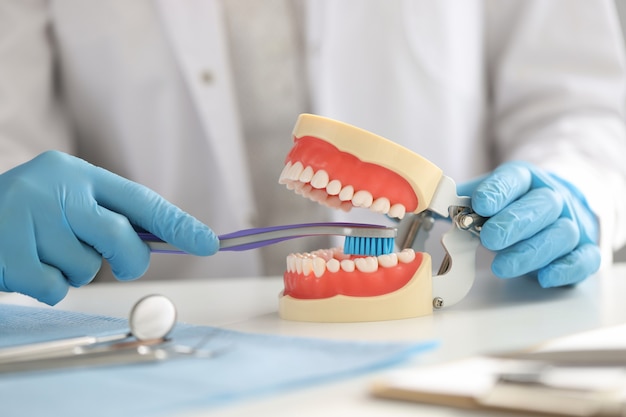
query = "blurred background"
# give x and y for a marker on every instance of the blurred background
(620, 256)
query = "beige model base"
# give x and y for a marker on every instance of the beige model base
(412, 300)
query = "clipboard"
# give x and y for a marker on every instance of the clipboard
(511, 382)
(473, 384)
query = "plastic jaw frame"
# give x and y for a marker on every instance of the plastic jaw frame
(367, 161)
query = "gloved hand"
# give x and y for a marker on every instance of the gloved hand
(59, 216)
(539, 224)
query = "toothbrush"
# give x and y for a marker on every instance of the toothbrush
(360, 239)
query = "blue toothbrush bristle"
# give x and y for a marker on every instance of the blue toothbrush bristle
(368, 246)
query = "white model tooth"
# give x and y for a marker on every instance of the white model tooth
(298, 262)
(318, 196)
(307, 266)
(320, 179)
(346, 193)
(295, 171)
(303, 189)
(406, 256)
(381, 205)
(398, 211)
(362, 198)
(347, 265)
(338, 254)
(288, 263)
(325, 254)
(333, 187)
(388, 260)
(296, 186)
(346, 206)
(366, 264)
(333, 202)
(291, 263)
(319, 266)
(283, 175)
(333, 265)
(306, 174)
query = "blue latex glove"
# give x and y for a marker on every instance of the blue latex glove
(539, 224)
(59, 216)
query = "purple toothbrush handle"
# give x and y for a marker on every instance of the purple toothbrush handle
(243, 239)
(158, 245)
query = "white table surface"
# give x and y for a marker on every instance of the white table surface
(496, 315)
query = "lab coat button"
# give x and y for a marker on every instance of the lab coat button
(206, 76)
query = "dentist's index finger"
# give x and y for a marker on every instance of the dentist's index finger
(506, 184)
(147, 209)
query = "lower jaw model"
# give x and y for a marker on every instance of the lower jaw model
(342, 167)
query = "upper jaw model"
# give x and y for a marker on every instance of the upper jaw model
(342, 166)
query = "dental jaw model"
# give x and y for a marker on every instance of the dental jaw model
(342, 166)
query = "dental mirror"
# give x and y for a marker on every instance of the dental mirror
(152, 317)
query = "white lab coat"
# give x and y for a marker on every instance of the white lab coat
(145, 89)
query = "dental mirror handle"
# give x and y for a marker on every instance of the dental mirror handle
(152, 317)
(139, 354)
(41, 349)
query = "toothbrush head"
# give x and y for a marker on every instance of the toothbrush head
(368, 246)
